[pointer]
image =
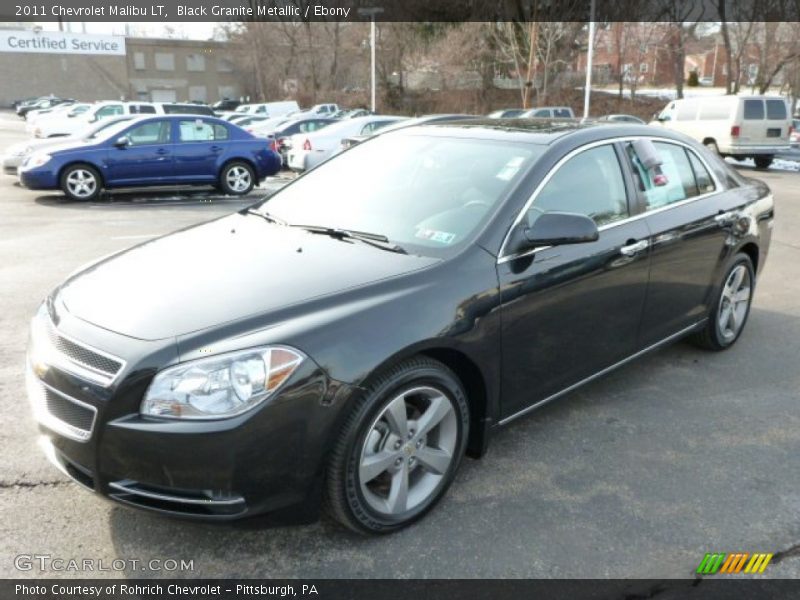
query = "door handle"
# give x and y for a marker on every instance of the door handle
(216, 148)
(162, 151)
(634, 248)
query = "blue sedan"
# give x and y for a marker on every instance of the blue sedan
(154, 151)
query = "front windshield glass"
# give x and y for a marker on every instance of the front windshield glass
(108, 130)
(425, 193)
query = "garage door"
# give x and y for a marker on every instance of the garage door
(164, 95)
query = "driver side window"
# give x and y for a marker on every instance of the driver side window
(590, 184)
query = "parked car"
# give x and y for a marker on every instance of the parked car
(66, 110)
(349, 142)
(349, 339)
(754, 127)
(281, 135)
(794, 137)
(265, 127)
(42, 104)
(351, 113)
(620, 118)
(306, 151)
(548, 112)
(67, 125)
(269, 109)
(162, 150)
(17, 154)
(506, 113)
(225, 104)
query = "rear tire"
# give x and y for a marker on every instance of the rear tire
(712, 147)
(81, 182)
(763, 162)
(399, 448)
(729, 312)
(237, 178)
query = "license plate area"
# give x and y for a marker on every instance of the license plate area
(774, 132)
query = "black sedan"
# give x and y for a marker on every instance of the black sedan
(348, 340)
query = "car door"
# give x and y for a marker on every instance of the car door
(146, 158)
(570, 311)
(690, 217)
(199, 145)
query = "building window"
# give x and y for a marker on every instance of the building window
(643, 68)
(227, 91)
(197, 93)
(138, 61)
(195, 62)
(224, 65)
(165, 61)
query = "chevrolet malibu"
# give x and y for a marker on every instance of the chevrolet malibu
(155, 151)
(347, 341)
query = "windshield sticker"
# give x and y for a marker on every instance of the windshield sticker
(510, 169)
(443, 237)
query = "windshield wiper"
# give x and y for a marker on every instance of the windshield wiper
(265, 215)
(373, 239)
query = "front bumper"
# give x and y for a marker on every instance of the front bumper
(263, 461)
(38, 179)
(754, 150)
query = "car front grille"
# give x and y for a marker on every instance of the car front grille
(63, 414)
(80, 359)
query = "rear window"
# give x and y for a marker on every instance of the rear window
(563, 113)
(753, 110)
(187, 109)
(776, 110)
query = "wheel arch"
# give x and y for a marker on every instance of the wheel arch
(242, 159)
(86, 163)
(751, 249)
(471, 376)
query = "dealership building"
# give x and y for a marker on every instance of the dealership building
(111, 67)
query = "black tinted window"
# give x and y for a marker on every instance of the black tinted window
(753, 109)
(143, 109)
(705, 183)
(590, 184)
(776, 109)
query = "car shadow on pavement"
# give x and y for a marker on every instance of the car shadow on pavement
(622, 462)
(163, 197)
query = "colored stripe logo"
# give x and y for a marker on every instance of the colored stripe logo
(735, 562)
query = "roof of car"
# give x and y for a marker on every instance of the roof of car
(539, 131)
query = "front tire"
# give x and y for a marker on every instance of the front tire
(732, 307)
(237, 178)
(399, 449)
(81, 182)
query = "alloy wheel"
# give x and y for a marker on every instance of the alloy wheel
(734, 302)
(238, 179)
(81, 183)
(408, 451)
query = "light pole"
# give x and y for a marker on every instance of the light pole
(589, 57)
(371, 12)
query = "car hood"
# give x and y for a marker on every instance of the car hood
(223, 271)
(73, 144)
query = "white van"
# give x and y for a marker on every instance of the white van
(754, 127)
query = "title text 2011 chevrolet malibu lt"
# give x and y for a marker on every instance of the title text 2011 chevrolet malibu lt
(345, 342)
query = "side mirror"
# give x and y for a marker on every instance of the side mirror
(122, 142)
(554, 229)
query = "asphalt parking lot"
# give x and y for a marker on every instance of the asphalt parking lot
(636, 475)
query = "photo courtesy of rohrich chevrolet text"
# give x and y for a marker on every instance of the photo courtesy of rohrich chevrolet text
(344, 298)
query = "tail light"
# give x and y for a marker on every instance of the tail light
(307, 144)
(735, 131)
(273, 146)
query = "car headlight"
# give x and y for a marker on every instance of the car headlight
(221, 386)
(37, 160)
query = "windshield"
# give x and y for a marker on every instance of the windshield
(108, 130)
(425, 193)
